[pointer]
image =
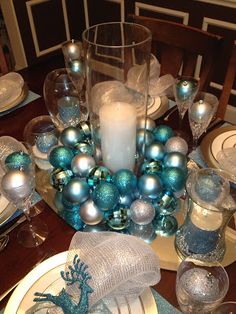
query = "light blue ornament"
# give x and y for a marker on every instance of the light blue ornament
(174, 178)
(151, 167)
(98, 174)
(143, 138)
(150, 186)
(125, 180)
(58, 201)
(105, 196)
(76, 191)
(162, 133)
(155, 151)
(127, 199)
(71, 136)
(18, 160)
(46, 141)
(175, 159)
(186, 88)
(165, 226)
(61, 157)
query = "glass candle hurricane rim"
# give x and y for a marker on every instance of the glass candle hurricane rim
(86, 31)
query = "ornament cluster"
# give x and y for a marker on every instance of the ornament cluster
(90, 197)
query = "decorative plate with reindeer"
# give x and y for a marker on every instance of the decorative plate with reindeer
(46, 278)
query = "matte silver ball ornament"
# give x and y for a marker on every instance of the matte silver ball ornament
(147, 123)
(175, 159)
(90, 214)
(155, 151)
(81, 164)
(176, 144)
(150, 185)
(71, 136)
(142, 212)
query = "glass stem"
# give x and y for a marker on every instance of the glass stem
(195, 143)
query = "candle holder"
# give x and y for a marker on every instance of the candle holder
(117, 58)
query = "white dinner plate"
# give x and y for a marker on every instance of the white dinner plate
(46, 278)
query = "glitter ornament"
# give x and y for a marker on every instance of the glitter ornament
(144, 232)
(45, 142)
(142, 212)
(166, 225)
(143, 138)
(59, 178)
(98, 174)
(174, 178)
(175, 159)
(125, 180)
(76, 191)
(105, 196)
(71, 136)
(147, 123)
(155, 151)
(90, 214)
(18, 160)
(81, 164)
(69, 110)
(151, 167)
(176, 144)
(162, 133)
(150, 185)
(61, 157)
(72, 218)
(84, 148)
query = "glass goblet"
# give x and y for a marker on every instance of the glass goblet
(226, 308)
(200, 114)
(18, 186)
(200, 287)
(185, 89)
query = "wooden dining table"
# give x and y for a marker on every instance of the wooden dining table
(15, 260)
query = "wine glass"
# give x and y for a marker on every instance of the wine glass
(200, 114)
(62, 101)
(226, 308)
(200, 287)
(185, 89)
(18, 186)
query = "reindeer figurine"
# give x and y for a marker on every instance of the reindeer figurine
(78, 274)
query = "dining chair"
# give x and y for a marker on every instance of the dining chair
(3, 62)
(178, 46)
(224, 110)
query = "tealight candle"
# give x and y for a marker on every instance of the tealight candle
(118, 135)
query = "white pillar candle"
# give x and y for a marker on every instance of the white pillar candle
(118, 135)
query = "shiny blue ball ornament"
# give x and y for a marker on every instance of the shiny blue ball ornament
(150, 186)
(162, 133)
(174, 178)
(127, 199)
(165, 226)
(58, 201)
(143, 138)
(18, 160)
(84, 127)
(125, 180)
(98, 174)
(167, 204)
(151, 167)
(71, 136)
(61, 157)
(84, 148)
(186, 88)
(46, 141)
(155, 151)
(175, 159)
(76, 191)
(105, 196)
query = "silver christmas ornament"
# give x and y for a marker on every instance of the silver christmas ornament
(175, 159)
(147, 123)
(200, 110)
(71, 136)
(76, 191)
(176, 144)
(81, 164)
(142, 212)
(90, 214)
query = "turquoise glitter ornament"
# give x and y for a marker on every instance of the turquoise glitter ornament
(119, 219)
(84, 148)
(105, 196)
(165, 225)
(59, 178)
(143, 138)
(175, 159)
(61, 157)
(98, 174)
(162, 133)
(150, 185)
(125, 180)
(71, 136)
(46, 141)
(174, 178)
(76, 191)
(18, 160)
(155, 151)
(151, 167)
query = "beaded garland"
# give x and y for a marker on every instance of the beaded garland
(111, 201)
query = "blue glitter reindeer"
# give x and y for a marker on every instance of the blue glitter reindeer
(76, 274)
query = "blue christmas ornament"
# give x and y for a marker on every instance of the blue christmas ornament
(119, 219)
(76, 191)
(98, 174)
(174, 178)
(151, 167)
(84, 126)
(18, 160)
(59, 178)
(186, 88)
(175, 159)
(61, 157)
(155, 151)
(71, 136)
(105, 196)
(148, 124)
(167, 204)
(84, 148)
(46, 141)
(125, 180)
(165, 225)
(143, 138)
(150, 186)
(68, 108)
(127, 199)
(58, 201)
(162, 133)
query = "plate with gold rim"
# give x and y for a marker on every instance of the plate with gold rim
(45, 278)
(11, 103)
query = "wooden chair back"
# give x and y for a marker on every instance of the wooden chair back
(3, 62)
(178, 46)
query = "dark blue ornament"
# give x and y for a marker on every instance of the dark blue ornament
(162, 133)
(18, 160)
(143, 137)
(155, 151)
(61, 157)
(76, 191)
(150, 186)
(46, 141)
(125, 180)
(174, 178)
(98, 174)
(165, 225)
(71, 136)
(151, 167)
(175, 159)
(106, 196)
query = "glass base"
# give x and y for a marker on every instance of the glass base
(35, 211)
(32, 234)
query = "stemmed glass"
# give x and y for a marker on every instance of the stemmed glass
(18, 186)
(200, 114)
(185, 89)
